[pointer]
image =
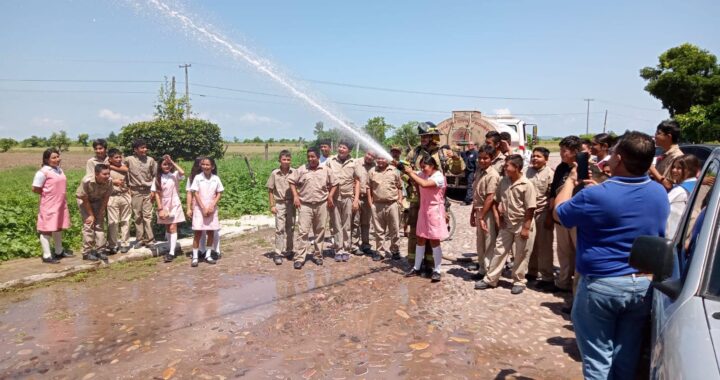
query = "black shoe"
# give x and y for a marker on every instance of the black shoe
(473, 267)
(169, 258)
(210, 260)
(125, 249)
(482, 285)
(412, 273)
(435, 277)
(278, 260)
(357, 252)
(178, 250)
(396, 256)
(531, 277)
(517, 289)
(90, 256)
(318, 260)
(194, 263)
(215, 254)
(478, 276)
(50, 260)
(102, 256)
(377, 256)
(110, 251)
(63, 254)
(298, 265)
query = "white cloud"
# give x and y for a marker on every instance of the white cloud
(118, 117)
(255, 119)
(502, 111)
(46, 122)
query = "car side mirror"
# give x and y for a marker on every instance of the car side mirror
(652, 254)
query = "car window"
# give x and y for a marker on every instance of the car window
(695, 217)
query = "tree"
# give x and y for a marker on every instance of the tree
(406, 135)
(112, 138)
(702, 123)
(376, 128)
(59, 141)
(83, 139)
(6, 144)
(34, 141)
(685, 76)
(181, 139)
(169, 106)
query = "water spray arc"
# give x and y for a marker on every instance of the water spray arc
(260, 64)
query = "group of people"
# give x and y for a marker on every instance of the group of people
(116, 188)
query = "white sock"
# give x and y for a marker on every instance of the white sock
(173, 242)
(437, 258)
(45, 244)
(216, 241)
(208, 254)
(195, 254)
(203, 238)
(419, 255)
(57, 236)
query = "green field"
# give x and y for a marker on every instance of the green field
(18, 204)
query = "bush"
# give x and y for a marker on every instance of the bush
(6, 144)
(181, 139)
(59, 141)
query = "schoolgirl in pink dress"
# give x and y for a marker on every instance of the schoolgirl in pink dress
(53, 214)
(431, 224)
(206, 190)
(169, 207)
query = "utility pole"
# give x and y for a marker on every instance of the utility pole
(187, 89)
(605, 122)
(587, 119)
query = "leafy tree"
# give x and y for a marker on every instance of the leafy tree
(112, 138)
(376, 128)
(406, 135)
(6, 144)
(59, 141)
(685, 76)
(181, 139)
(34, 141)
(169, 106)
(83, 139)
(702, 123)
(236, 140)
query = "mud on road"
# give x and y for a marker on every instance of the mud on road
(246, 317)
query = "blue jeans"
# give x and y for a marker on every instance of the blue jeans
(610, 315)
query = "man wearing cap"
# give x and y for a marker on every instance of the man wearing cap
(469, 156)
(429, 146)
(343, 169)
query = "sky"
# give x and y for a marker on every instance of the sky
(94, 66)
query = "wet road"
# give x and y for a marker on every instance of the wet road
(246, 317)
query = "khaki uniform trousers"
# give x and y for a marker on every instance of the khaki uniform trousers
(361, 225)
(509, 240)
(118, 214)
(485, 242)
(93, 234)
(142, 209)
(386, 225)
(284, 223)
(311, 218)
(566, 238)
(541, 260)
(341, 221)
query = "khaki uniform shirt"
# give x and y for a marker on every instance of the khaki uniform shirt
(90, 166)
(384, 184)
(486, 182)
(95, 192)
(312, 185)
(115, 175)
(362, 171)
(542, 179)
(665, 164)
(344, 174)
(279, 185)
(516, 198)
(499, 163)
(141, 172)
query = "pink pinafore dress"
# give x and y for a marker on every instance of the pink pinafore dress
(53, 214)
(205, 189)
(431, 222)
(170, 198)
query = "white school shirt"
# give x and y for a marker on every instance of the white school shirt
(39, 179)
(167, 177)
(437, 177)
(214, 181)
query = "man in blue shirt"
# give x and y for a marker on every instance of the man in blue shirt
(612, 303)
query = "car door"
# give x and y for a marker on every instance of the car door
(681, 343)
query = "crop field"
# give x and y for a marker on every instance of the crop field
(244, 194)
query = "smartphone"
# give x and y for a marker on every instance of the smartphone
(582, 165)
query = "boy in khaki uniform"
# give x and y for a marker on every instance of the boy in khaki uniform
(492, 138)
(101, 156)
(141, 174)
(281, 205)
(540, 266)
(93, 195)
(343, 170)
(313, 187)
(482, 216)
(362, 207)
(516, 201)
(384, 198)
(118, 209)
